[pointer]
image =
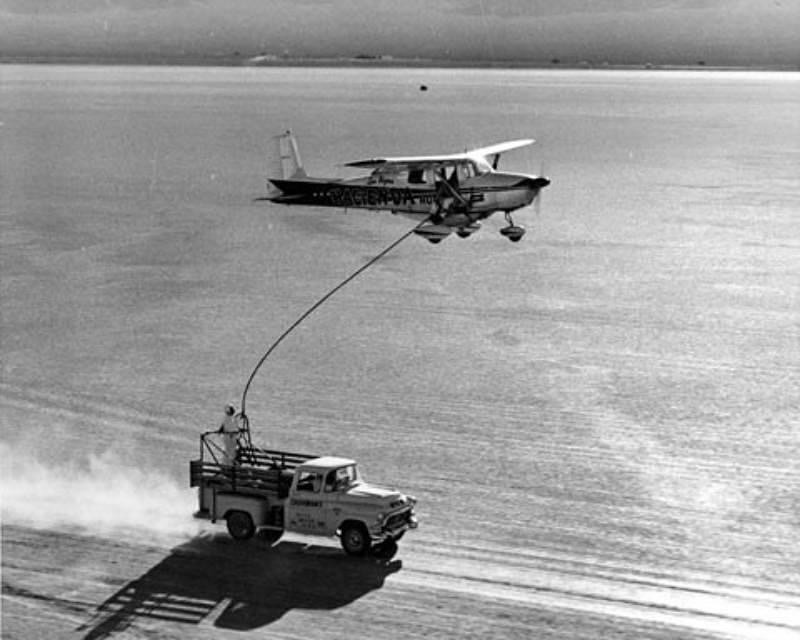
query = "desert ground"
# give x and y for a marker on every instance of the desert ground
(600, 422)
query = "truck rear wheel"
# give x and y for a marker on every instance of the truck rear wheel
(355, 539)
(240, 525)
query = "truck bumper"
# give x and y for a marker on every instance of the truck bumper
(395, 527)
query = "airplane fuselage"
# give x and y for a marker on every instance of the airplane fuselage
(485, 194)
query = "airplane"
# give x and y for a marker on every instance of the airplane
(445, 193)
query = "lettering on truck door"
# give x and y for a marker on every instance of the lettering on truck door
(306, 512)
(332, 496)
(337, 482)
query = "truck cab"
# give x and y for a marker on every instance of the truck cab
(298, 493)
(329, 497)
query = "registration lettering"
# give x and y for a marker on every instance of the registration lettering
(376, 197)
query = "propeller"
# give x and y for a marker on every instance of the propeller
(537, 201)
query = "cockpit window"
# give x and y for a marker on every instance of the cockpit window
(383, 175)
(482, 166)
(468, 170)
(452, 171)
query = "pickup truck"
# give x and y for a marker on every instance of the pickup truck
(300, 493)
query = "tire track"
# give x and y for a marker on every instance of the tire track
(588, 581)
(78, 409)
(705, 606)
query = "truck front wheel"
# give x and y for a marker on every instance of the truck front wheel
(355, 539)
(240, 525)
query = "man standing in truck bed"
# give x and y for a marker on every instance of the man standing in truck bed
(230, 436)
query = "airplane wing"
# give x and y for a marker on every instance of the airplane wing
(375, 163)
(425, 161)
(501, 147)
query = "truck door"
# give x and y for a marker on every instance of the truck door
(332, 496)
(306, 512)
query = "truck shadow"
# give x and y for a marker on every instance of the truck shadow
(240, 586)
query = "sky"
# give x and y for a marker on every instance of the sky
(718, 32)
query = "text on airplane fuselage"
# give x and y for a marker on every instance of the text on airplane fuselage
(352, 196)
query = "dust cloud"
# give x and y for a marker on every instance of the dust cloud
(101, 495)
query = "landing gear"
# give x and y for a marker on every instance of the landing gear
(468, 230)
(513, 232)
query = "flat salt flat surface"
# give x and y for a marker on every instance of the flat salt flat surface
(600, 422)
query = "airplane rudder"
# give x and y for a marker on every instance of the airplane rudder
(290, 162)
(275, 156)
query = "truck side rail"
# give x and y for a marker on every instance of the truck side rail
(250, 455)
(233, 477)
(256, 470)
(271, 458)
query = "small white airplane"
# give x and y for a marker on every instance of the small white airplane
(445, 194)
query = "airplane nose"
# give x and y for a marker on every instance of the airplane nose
(540, 182)
(533, 183)
(533, 187)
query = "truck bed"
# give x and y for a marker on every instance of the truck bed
(257, 472)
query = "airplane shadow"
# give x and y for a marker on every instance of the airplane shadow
(253, 584)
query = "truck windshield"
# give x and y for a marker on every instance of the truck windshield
(341, 478)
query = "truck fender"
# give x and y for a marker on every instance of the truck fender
(256, 507)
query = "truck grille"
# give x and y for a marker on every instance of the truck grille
(397, 520)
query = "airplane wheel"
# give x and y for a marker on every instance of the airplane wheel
(434, 240)
(513, 233)
(240, 525)
(463, 234)
(355, 540)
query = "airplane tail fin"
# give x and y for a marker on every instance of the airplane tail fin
(291, 166)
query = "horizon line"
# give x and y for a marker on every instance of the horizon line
(265, 60)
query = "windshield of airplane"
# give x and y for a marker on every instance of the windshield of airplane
(466, 169)
(482, 166)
